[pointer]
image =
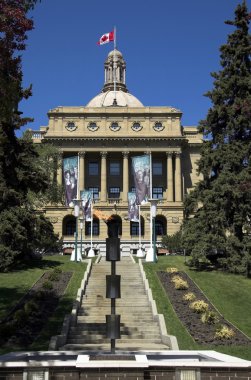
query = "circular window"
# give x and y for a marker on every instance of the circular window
(136, 127)
(92, 126)
(158, 126)
(114, 127)
(71, 126)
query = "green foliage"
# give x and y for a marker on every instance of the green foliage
(21, 169)
(179, 283)
(218, 210)
(172, 242)
(224, 332)
(47, 285)
(172, 270)
(210, 317)
(189, 297)
(31, 307)
(199, 306)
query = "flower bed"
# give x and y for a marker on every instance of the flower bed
(204, 333)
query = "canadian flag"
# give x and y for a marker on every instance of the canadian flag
(108, 37)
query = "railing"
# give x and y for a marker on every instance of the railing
(114, 201)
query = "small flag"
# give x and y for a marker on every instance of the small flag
(141, 172)
(86, 198)
(133, 208)
(108, 37)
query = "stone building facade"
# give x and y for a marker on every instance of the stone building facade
(105, 134)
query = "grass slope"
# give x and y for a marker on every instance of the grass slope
(14, 285)
(231, 294)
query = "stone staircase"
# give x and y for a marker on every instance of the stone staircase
(139, 330)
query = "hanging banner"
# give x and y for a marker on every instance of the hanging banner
(133, 208)
(141, 174)
(86, 197)
(70, 169)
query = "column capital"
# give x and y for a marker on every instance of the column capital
(81, 154)
(103, 154)
(169, 154)
(125, 154)
(177, 153)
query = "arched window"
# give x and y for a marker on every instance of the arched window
(160, 225)
(95, 227)
(134, 227)
(69, 225)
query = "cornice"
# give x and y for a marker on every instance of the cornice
(110, 138)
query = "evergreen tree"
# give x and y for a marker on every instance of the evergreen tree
(20, 172)
(218, 211)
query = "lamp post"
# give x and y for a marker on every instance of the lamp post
(140, 253)
(76, 214)
(81, 220)
(151, 253)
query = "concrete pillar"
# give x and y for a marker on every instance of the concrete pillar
(178, 192)
(81, 184)
(103, 190)
(169, 176)
(125, 176)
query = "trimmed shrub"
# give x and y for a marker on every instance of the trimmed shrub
(224, 332)
(210, 317)
(172, 270)
(189, 297)
(199, 306)
(179, 283)
(31, 307)
(47, 285)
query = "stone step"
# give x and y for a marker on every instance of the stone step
(94, 327)
(96, 336)
(93, 339)
(106, 347)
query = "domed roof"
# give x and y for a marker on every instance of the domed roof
(106, 99)
(115, 68)
(116, 53)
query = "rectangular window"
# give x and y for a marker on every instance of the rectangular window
(157, 168)
(157, 192)
(133, 190)
(93, 168)
(134, 229)
(95, 192)
(114, 192)
(114, 168)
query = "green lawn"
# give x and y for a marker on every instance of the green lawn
(14, 285)
(231, 294)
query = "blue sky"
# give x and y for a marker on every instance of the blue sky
(170, 48)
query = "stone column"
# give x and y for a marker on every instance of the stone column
(125, 176)
(60, 169)
(103, 190)
(178, 197)
(169, 176)
(81, 184)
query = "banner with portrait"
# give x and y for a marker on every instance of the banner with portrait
(70, 171)
(86, 204)
(133, 208)
(141, 174)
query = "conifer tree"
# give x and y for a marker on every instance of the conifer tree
(20, 173)
(218, 211)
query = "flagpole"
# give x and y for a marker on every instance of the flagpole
(91, 252)
(151, 194)
(150, 252)
(114, 68)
